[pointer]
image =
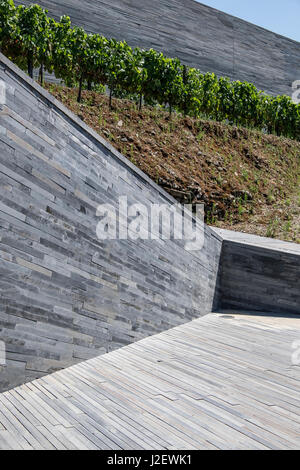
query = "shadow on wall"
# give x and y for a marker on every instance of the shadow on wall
(260, 279)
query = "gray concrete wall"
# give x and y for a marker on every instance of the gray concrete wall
(199, 35)
(65, 296)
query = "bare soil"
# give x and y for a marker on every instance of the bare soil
(249, 181)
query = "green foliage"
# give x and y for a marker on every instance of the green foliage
(118, 65)
(210, 86)
(33, 33)
(97, 59)
(172, 87)
(225, 100)
(61, 55)
(151, 84)
(8, 15)
(281, 116)
(246, 99)
(32, 39)
(193, 91)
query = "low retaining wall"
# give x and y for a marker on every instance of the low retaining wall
(259, 274)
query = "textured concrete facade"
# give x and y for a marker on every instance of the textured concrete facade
(200, 36)
(65, 296)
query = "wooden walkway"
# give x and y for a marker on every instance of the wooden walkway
(219, 382)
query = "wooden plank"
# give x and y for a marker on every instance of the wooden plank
(215, 383)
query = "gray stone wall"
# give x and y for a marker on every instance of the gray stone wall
(259, 274)
(65, 296)
(199, 35)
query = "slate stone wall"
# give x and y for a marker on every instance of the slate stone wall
(259, 278)
(65, 296)
(199, 35)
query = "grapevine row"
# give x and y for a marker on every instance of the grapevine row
(32, 39)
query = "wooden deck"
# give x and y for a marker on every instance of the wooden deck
(220, 382)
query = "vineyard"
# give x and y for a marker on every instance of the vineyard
(33, 40)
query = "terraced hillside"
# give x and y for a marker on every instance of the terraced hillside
(248, 181)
